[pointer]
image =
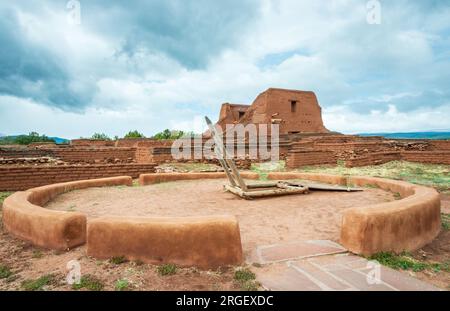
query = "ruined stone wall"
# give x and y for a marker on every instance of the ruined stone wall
(92, 142)
(15, 178)
(440, 144)
(375, 158)
(309, 157)
(230, 114)
(95, 154)
(433, 157)
(11, 152)
(363, 151)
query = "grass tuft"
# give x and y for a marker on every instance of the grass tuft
(404, 261)
(167, 269)
(246, 279)
(118, 260)
(445, 220)
(122, 285)
(5, 272)
(3, 196)
(89, 282)
(38, 284)
(37, 254)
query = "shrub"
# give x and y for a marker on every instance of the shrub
(89, 282)
(100, 136)
(167, 269)
(38, 284)
(134, 134)
(122, 285)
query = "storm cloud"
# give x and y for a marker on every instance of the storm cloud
(158, 64)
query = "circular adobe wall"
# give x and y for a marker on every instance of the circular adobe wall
(213, 241)
(403, 225)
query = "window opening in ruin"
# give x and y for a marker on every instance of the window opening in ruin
(241, 114)
(293, 106)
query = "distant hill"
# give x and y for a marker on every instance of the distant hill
(60, 140)
(11, 139)
(411, 135)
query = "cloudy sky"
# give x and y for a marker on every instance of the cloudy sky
(151, 65)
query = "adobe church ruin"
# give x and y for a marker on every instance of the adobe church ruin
(295, 111)
(303, 141)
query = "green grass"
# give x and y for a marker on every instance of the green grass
(4, 195)
(445, 219)
(89, 282)
(397, 196)
(118, 260)
(246, 279)
(135, 183)
(38, 284)
(5, 272)
(37, 254)
(122, 285)
(263, 169)
(433, 175)
(167, 269)
(404, 261)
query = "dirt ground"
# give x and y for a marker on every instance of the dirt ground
(264, 221)
(30, 263)
(437, 251)
(26, 262)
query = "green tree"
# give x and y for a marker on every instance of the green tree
(100, 136)
(168, 134)
(134, 134)
(32, 137)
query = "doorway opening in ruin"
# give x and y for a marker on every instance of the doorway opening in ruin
(293, 105)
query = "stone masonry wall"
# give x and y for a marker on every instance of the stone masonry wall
(14, 178)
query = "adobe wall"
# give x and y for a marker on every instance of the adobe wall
(403, 225)
(230, 114)
(206, 242)
(309, 157)
(89, 154)
(375, 158)
(440, 144)
(24, 217)
(92, 142)
(25, 177)
(433, 157)
(10, 152)
(210, 242)
(149, 179)
(362, 151)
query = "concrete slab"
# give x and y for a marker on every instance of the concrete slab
(296, 250)
(313, 271)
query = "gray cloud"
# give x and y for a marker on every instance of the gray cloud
(32, 71)
(154, 58)
(191, 32)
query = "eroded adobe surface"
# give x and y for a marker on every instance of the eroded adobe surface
(295, 112)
